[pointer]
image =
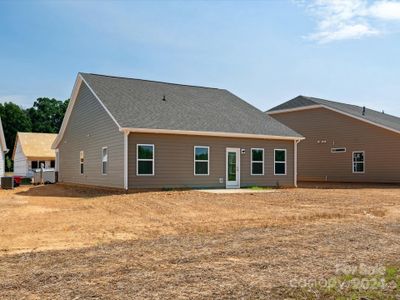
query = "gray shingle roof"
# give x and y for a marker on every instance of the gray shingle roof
(374, 116)
(137, 103)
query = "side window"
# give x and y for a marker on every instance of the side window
(280, 161)
(34, 164)
(257, 161)
(82, 161)
(52, 164)
(145, 160)
(358, 162)
(104, 160)
(201, 160)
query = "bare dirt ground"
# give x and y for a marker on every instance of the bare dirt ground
(60, 242)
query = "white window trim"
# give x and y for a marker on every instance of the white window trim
(194, 161)
(255, 161)
(353, 162)
(81, 155)
(285, 162)
(104, 161)
(147, 159)
(333, 150)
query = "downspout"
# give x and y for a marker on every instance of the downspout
(126, 135)
(295, 162)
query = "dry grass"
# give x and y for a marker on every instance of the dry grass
(62, 243)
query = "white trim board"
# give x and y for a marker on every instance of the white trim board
(282, 111)
(211, 133)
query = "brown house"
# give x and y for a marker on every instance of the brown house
(344, 143)
(131, 133)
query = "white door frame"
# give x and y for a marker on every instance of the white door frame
(237, 182)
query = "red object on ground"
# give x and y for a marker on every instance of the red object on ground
(17, 180)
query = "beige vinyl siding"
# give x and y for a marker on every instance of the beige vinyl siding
(90, 129)
(317, 163)
(174, 161)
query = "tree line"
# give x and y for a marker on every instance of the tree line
(45, 116)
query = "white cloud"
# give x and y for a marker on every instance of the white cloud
(385, 10)
(350, 19)
(356, 31)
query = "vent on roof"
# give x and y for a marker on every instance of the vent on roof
(363, 111)
(163, 98)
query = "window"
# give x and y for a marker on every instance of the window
(338, 150)
(42, 164)
(280, 161)
(257, 161)
(145, 160)
(52, 164)
(201, 160)
(34, 164)
(358, 162)
(104, 160)
(81, 161)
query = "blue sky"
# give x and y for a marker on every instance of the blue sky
(266, 52)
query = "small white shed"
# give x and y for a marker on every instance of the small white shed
(31, 151)
(3, 150)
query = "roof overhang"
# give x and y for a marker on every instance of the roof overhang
(40, 158)
(210, 133)
(282, 111)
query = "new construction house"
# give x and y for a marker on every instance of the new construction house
(131, 134)
(344, 143)
(3, 150)
(33, 151)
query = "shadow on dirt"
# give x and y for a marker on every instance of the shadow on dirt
(65, 191)
(344, 185)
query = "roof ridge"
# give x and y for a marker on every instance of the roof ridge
(349, 104)
(155, 81)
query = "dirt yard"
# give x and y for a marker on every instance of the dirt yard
(60, 242)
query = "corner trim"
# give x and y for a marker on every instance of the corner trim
(126, 166)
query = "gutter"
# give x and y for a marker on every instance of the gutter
(211, 133)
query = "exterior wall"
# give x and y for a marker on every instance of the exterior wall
(174, 161)
(20, 162)
(2, 162)
(90, 128)
(317, 163)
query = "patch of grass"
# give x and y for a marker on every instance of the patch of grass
(353, 286)
(259, 188)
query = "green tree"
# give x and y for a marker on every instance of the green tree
(14, 119)
(47, 115)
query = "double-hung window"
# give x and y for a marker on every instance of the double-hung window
(81, 161)
(280, 162)
(145, 160)
(358, 162)
(104, 160)
(201, 160)
(257, 161)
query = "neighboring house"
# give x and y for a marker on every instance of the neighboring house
(344, 143)
(32, 151)
(3, 150)
(130, 133)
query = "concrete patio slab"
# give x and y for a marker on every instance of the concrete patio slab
(236, 191)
